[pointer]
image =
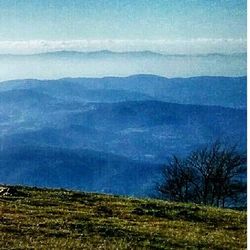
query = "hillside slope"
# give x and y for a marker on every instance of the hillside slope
(140, 130)
(203, 90)
(34, 218)
(134, 118)
(77, 169)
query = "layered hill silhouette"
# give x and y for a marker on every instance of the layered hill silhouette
(205, 90)
(112, 134)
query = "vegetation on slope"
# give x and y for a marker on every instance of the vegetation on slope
(33, 218)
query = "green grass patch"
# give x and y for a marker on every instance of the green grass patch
(35, 218)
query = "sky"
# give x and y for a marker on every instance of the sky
(199, 25)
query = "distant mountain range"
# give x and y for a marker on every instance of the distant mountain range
(52, 65)
(112, 134)
(98, 53)
(218, 91)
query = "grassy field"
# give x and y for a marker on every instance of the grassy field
(34, 218)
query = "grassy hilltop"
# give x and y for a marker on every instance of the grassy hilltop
(32, 218)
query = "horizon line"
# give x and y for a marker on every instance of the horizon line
(160, 53)
(127, 76)
(174, 46)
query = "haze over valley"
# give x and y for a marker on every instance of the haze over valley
(98, 95)
(93, 133)
(54, 65)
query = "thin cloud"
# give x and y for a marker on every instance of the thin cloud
(192, 46)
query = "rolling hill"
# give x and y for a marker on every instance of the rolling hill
(56, 124)
(62, 219)
(218, 91)
(76, 169)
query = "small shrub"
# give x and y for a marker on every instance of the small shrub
(104, 210)
(138, 211)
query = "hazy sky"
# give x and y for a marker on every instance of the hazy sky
(206, 22)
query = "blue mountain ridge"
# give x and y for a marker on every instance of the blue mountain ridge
(112, 134)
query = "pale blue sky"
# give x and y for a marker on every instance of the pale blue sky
(122, 19)
(166, 26)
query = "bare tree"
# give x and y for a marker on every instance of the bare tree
(178, 182)
(213, 175)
